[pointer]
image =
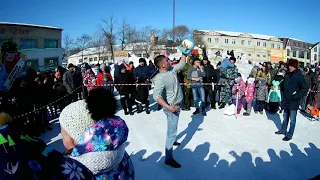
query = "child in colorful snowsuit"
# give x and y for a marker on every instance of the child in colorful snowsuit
(238, 87)
(274, 98)
(249, 93)
(261, 95)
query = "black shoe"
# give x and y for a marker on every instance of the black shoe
(176, 144)
(148, 111)
(173, 163)
(279, 133)
(131, 113)
(196, 112)
(286, 139)
(126, 113)
(222, 105)
(246, 114)
(139, 108)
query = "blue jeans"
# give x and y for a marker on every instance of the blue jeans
(172, 126)
(292, 115)
(198, 101)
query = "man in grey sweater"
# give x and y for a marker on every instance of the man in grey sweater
(167, 92)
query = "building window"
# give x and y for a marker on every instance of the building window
(85, 58)
(264, 44)
(294, 53)
(315, 57)
(264, 56)
(308, 55)
(278, 46)
(249, 43)
(95, 59)
(315, 49)
(258, 43)
(50, 43)
(298, 44)
(243, 42)
(216, 40)
(144, 54)
(288, 52)
(294, 43)
(90, 59)
(272, 46)
(28, 43)
(249, 54)
(233, 41)
(100, 58)
(209, 40)
(301, 54)
(226, 41)
(80, 61)
(258, 55)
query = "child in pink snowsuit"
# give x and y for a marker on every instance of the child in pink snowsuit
(240, 87)
(249, 93)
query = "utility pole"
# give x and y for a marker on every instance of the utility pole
(174, 21)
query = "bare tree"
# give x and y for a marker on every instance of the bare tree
(83, 43)
(109, 31)
(68, 43)
(99, 42)
(197, 37)
(181, 32)
(126, 35)
(143, 41)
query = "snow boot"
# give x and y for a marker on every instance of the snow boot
(173, 163)
(222, 105)
(261, 112)
(139, 109)
(125, 112)
(147, 108)
(196, 112)
(246, 114)
(279, 133)
(286, 139)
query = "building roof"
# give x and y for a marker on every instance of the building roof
(29, 25)
(235, 34)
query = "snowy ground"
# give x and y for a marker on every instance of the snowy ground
(219, 147)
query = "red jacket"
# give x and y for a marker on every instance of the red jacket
(100, 78)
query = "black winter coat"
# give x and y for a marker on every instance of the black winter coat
(295, 87)
(209, 70)
(124, 78)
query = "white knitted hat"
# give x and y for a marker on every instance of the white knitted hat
(75, 119)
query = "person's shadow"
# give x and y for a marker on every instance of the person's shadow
(199, 164)
(275, 118)
(190, 131)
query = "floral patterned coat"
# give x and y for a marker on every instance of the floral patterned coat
(105, 138)
(89, 79)
(250, 91)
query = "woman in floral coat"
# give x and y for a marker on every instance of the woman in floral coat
(96, 137)
(89, 79)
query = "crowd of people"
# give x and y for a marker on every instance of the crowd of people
(95, 137)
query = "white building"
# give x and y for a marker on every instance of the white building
(255, 47)
(100, 55)
(315, 54)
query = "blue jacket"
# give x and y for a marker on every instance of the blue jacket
(226, 64)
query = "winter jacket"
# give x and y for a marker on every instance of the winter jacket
(209, 71)
(89, 80)
(124, 78)
(240, 86)
(264, 75)
(23, 157)
(68, 81)
(100, 78)
(250, 90)
(295, 87)
(226, 64)
(261, 93)
(274, 96)
(101, 148)
(194, 72)
(142, 73)
(185, 74)
(254, 71)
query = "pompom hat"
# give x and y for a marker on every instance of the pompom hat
(75, 119)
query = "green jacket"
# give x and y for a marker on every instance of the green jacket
(185, 73)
